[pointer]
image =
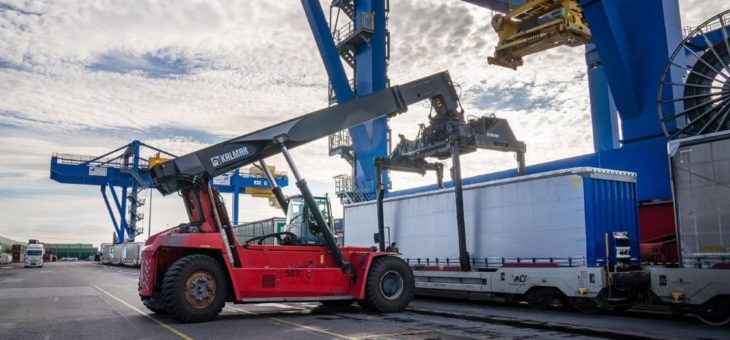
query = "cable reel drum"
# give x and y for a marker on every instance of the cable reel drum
(694, 90)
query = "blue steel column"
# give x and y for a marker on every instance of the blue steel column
(634, 40)
(368, 140)
(121, 207)
(370, 74)
(236, 192)
(123, 215)
(610, 34)
(117, 229)
(328, 50)
(603, 109)
(133, 202)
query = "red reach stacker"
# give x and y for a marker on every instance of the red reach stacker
(192, 270)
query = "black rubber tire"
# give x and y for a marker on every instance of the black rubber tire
(375, 299)
(716, 312)
(154, 305)
(539, 300)
(586, 306)
(337, 304)
(174, 286)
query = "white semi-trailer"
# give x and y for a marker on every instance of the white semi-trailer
(106, 253)
(122, 254)
(556, 235)
(131, 253)
(700, 171)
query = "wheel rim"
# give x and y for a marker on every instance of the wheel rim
(200, 290)
(695, 99)
(391, 285)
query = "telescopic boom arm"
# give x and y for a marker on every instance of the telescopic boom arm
(218, 159)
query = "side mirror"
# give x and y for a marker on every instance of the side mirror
(376, 238)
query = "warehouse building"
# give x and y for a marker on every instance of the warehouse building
(81, 251)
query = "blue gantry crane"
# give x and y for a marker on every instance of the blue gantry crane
(627, 44)
(631, 41)
(126, 169)
(356, 34)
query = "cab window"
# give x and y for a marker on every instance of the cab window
(295, 213)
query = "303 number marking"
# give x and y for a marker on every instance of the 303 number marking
(291, 273)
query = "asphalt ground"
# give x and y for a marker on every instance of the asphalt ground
(83, 300)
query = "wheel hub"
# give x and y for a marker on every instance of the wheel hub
(200, 290)
(391, 285)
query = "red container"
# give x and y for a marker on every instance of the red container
(658, 234)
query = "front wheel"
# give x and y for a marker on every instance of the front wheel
(194, 289)
(337, 304)
(389, 286)
(154, 304)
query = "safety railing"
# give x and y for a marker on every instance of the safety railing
(350, 190)
(487, 263)
(344, 32)
(338, 140)
(255, 173)
(72, 159)
(710, 27)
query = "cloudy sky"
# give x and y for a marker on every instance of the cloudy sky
(85, 77)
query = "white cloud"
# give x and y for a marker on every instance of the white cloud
(89, 76)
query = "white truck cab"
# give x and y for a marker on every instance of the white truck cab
(34, 255)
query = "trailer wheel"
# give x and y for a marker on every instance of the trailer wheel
(194, 289)
(585, 305)
(715, 312)
(389, 287)
(539, 300)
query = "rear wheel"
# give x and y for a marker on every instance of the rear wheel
(389, 286)
(194, 289)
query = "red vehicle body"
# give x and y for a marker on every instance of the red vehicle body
(191, 273)
(269, 272)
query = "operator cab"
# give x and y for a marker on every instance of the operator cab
(301, 222)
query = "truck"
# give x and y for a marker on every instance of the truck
(34, 255)
(106, 253)
(190, 271)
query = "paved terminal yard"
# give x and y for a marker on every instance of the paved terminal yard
(83, 300)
